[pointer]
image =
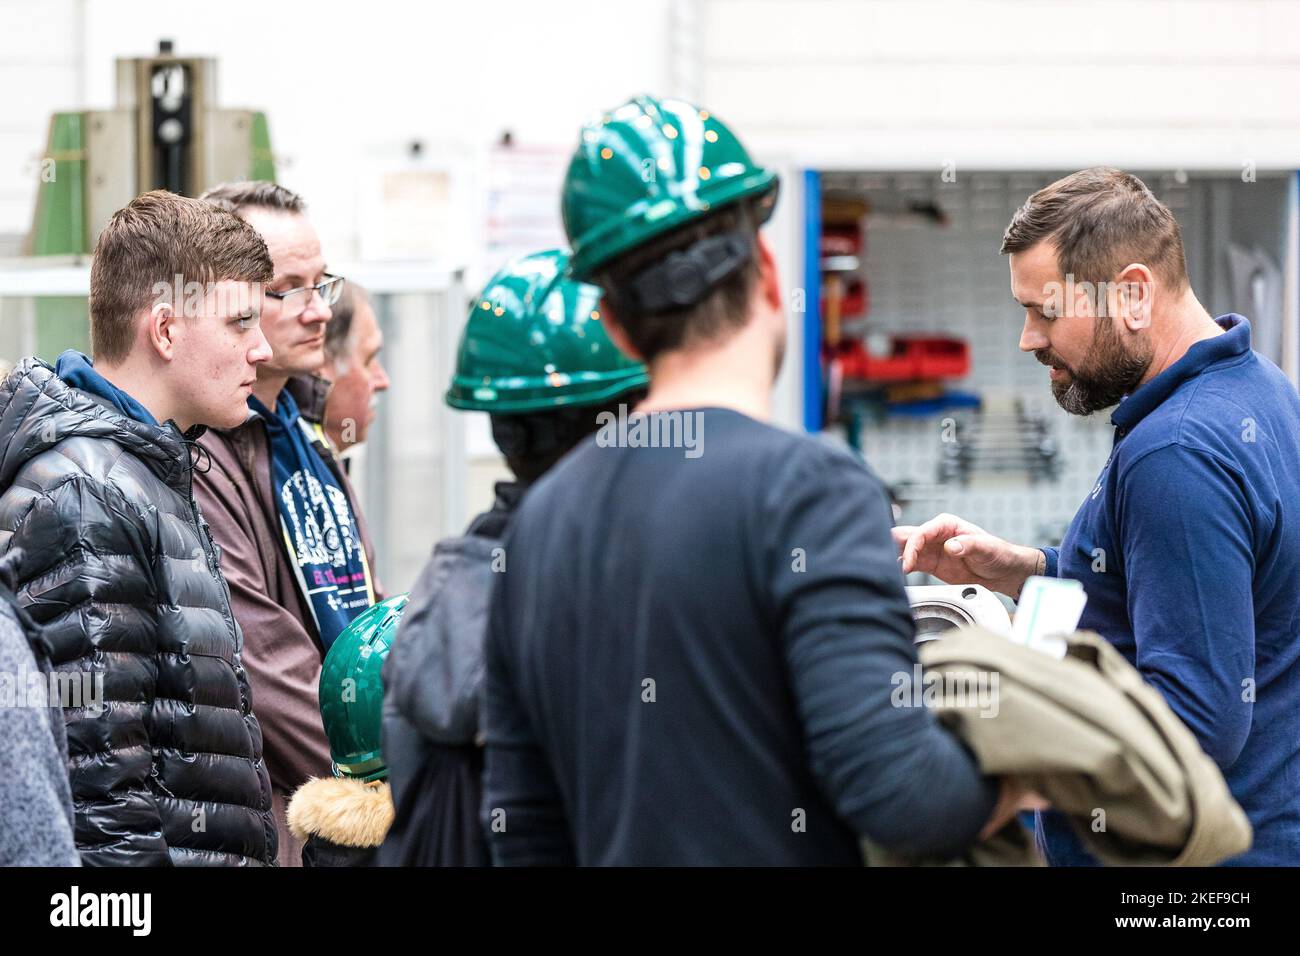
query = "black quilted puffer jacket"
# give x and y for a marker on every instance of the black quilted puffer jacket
(118, 564)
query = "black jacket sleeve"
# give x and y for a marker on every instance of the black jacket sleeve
(896, 775)
(523, 813)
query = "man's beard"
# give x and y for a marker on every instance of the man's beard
(1111, 371)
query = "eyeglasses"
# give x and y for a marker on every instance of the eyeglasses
(295, 301)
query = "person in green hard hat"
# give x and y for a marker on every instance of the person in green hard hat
(691, 656)
(534, 355)
(342, 820)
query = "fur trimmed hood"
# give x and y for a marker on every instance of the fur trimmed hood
(341, 810)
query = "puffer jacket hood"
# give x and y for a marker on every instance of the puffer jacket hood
(115, 561)
(38, 410)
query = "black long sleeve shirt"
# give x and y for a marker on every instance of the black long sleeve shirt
(690, 660)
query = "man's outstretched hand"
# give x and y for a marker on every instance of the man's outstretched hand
(958, 552)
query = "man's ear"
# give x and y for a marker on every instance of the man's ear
(769, 282)
(615, 331)
(160, 330)
(1133, 296)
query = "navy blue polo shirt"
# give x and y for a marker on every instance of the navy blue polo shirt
(1189, 550)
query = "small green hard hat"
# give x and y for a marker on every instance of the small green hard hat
(534, 342)
(647, 167)
(351, 690)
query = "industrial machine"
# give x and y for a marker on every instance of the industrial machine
(166, 132)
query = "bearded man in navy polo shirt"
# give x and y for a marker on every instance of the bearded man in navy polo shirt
(1189, 544)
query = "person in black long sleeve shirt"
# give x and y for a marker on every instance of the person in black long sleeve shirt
(758, 588)
(692, 648)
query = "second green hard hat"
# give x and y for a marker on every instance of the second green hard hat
(647, 167)
(351, 690)
(534, 342)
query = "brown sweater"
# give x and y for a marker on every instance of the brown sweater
(282, 648)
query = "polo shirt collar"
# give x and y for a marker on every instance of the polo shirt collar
(1234, 343)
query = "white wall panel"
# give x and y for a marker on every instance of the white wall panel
(1197, 83)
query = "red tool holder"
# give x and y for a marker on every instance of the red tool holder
(911, 357)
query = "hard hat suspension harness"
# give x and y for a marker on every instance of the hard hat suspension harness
(687, 275)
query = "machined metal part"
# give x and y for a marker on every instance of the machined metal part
(154, 88)
(938, 608)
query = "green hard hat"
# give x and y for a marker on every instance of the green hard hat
(647, 167)
(352, 692)
(534, 342)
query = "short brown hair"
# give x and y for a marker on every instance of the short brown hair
(1100, 220)
(339, 327)
(723, 309)
(256, 194)
(153, 239)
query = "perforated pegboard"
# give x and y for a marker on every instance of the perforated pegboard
(924, 277)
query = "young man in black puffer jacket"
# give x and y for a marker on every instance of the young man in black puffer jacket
(116, 561)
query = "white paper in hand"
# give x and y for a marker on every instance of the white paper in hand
(1049, 608)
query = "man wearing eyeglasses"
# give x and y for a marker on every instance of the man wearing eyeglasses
(294, 547)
